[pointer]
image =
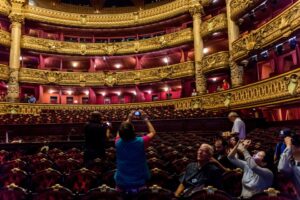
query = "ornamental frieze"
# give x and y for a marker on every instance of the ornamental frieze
(117, 48)
(215, 61)
(4, 7)
(4, 38)
(106, 78)
(274, 90)
(4, 72)
(105, 20)
(278, 28)
(214, 24)
(240, 7)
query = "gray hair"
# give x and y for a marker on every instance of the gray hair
(233, 114)
(209, 148)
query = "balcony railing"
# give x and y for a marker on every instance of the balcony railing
(275, 90)
(4, 38)
(278, 28)
(215, 24)
(215, 62)
(240, 7)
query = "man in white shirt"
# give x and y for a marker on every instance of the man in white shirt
(239, 127)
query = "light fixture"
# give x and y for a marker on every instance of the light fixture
(149, 91)
(75, 64)
(86, 92)
(166, 89)
(103, 93)
(214, 79)
(118, 93)
(134, 93)
(205, 50)
(166, 60)
(69, 92)
(75, 101)
(21, 58)
(51, 91)
(118, 65)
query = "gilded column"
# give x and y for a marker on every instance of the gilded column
(16, 17)
(236, 71)
(195, 11)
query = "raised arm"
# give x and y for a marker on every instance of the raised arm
(151, 131)
(231, 156)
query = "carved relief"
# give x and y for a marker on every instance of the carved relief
(215, 24)
(237, 73)
(215, 61)
(292, 83)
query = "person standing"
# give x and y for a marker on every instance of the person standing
(96, 135)
(132, 169)
(225, 85)
(239, 127)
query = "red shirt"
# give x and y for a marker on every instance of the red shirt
(225, 86)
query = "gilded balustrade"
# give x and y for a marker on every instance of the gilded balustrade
(4, 38)
(4, 72)
(278, 28)
(215, 61)
(4, 7)
(140, 17)
(275, 90)
(107, 78)
(240, 7)
(145, 45)
(282, 88)
(214, 24)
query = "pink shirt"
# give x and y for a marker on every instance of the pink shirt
(145, 138)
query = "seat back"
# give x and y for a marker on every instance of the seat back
(56, 192)
(155, 193)
(102, 193)
(45, 179)
(81, 181)
(13, 192)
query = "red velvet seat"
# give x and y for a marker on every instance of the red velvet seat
(45, 179)
(56, 192)
(271, 194)
(102, 193)
(179, 165)
(155, 162)
(232, 182)
(13, 192)
(81, 181)
(16, 176)
(161, 178)
(3, 156)
(108, 178)
(155, 193)
(40, 165)
(209, 193)
(66, 165)
(17, 163)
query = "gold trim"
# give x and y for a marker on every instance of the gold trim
(130, 77)
(4, 38)
(240, 7)
(215, 24)
(278, 28)
(4, 72)
(4, 7)
(215, 61)
(146, 45)
(273, 91)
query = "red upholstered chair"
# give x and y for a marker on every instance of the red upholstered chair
(155, 193)
(102, 193)
(56, 192)
(155, 162)
(108, 178)
(271, 194)
(17, 163)
(161, 178)
(16, 176)
(45, 179)
(232, 182)
(3, 156)
(209, 193)
(179, 165)
(81, 181)
(13, 192)
(40, 165)
(67, 165)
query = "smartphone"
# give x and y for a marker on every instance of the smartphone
(137, 113)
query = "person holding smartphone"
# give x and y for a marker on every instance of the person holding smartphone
(256, 177)
(132, 169)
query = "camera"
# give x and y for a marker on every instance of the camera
(137, 113)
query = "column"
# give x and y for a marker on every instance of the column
(195, 11)
(236, 71)
(16, 17)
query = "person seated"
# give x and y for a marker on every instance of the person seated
(289, 162)
(256, 177)
(31, 99)
(220, 153)
(132, 169)
(225, 85)
(204, 172)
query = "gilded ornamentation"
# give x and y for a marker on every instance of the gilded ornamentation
(237, 73)
(4, 38)
(215, 61)
(292, 83)
(227, 100)
(195, 8)
(106, 20)
(240, 7)
(16, 17)
(110, 78)
(119, 48)
(4, 72)
(4, 7)
(214, 24)
(200, 79)
(279, 27)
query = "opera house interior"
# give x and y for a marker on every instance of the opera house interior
(149, 99)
